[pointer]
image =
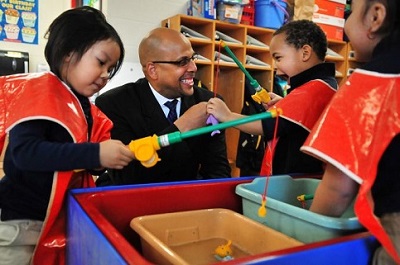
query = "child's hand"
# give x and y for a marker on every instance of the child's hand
(114, 154)
(219, 109)
(274, 99)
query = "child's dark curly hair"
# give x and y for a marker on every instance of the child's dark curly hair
(305, 32)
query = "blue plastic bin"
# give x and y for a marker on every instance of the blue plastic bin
(287, 215)
(270, 13)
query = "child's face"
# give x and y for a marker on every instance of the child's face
(90, 74)
(288, 60)
(358, 28)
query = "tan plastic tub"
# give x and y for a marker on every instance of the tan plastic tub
(191, 237)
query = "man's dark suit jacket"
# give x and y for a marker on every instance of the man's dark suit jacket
(136, 113)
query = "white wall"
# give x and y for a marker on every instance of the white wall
(134, 19)
(131, 18)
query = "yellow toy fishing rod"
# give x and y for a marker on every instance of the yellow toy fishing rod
(261, 95)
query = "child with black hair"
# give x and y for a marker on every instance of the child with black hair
(299, 49)
(358, 136)
(57, 138)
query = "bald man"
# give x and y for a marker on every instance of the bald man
(137, 110)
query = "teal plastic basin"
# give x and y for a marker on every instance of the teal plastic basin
(287, 215)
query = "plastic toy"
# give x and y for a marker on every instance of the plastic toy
(262, 211)
(212, 120)
(303, 198)
(224, 252)
(261, 94)
(145, 148)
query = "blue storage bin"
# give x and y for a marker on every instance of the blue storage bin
(270, 13)
(287, 215)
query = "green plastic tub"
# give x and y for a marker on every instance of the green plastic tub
(289, 216)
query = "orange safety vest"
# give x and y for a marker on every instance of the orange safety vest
(43, 96)
(302, 106)
(354, 132)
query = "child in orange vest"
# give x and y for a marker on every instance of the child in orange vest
(57, 138)
(358, 136)
(299, 49)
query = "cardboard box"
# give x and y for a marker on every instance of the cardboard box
(332, 32)
(330, 7)
(332, 26)
(191, 237)
(202, 8)
(287, 215)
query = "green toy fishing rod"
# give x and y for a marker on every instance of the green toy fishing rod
(145, 148)
(261, 95)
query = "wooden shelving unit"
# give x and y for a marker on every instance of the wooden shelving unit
(352, 64)
(231, 80)
(340, 47)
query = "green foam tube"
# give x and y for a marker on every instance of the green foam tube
(305, 197)
(254, 83)
(176, 137)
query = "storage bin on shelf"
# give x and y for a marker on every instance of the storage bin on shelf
(230, 11)
(248, 14)
(270, 13)
(287, 215)
(191, 237)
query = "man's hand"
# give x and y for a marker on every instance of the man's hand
(194, 117)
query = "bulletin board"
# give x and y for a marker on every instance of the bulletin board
(93, 3)
(19, 21)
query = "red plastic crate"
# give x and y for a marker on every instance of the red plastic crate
(248, 14)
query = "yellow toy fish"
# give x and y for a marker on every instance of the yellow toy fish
(224, 252)
(262, 211)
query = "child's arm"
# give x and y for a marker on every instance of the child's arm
(42, 145)
(334, 193)
(222, 113)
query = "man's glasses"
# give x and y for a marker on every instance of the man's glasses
(182, 62)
